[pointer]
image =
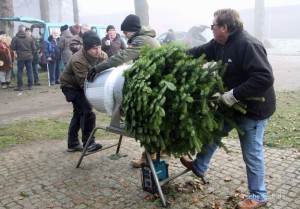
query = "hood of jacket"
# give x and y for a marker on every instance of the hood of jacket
(67, 34)
(21, 34)
(146, 31)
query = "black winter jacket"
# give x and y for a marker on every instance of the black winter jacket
(24, 46)
(115, 46)
(248, 72)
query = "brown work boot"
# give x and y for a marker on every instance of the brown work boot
(188, 163)
(138, 162)
(250, 204)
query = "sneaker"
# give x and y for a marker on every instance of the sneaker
(188, 163)
(93, 147)
(4, 86)
(37, 84)
(52, 84)
(250, 204)
(29, 87)
(77, 148)
(57, 82)
(18, 89)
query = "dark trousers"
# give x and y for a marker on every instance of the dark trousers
(83, 116)
(54, 71)
(35, 71)
(28, 65)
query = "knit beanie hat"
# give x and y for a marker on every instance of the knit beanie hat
(131, 23)
(110, 27)
(90, 40)
(2, 32)
(63, 28)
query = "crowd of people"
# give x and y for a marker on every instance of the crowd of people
(248, 75)
(25, 50)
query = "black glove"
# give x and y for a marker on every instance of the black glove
(91, 75)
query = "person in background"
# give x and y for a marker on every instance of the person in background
(64, 44)
(76, 42)
(112, 42)
(138, 36)
(8, 40)
(169, 37)
(248, 75)
(52, 53)
(75, 29)
(72, 85)
(5, 62)
(35, 58)
(25, 49)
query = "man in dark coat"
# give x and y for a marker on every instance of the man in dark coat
(249, 79)
(25, 48)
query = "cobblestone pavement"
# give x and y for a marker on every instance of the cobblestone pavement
(43, 175)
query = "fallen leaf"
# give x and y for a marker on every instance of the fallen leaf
(217, 205)
(227, 179)
(193, 200)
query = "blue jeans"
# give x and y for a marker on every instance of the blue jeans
(253, 155)
(54, 71)
(35, 71)
(83, 117)
(20, 65)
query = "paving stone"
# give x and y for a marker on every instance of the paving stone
(43, 175)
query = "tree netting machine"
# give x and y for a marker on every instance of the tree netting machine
(105, 95)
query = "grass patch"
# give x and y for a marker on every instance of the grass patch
(24, 132)
(283, 128)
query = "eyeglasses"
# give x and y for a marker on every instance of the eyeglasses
(212, 26)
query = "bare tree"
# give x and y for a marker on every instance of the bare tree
(259, 19)
(142, 10)
(7, 10)
(44, 8)
(59, 5)
(75, 11)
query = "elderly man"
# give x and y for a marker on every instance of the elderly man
(248, 76)
(72, 85)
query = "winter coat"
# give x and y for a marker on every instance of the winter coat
(115, 46)
(145, 36)
(64, 45)
(248, 72)
(51, 49)
(5, 57)
(24, 46)
(76, 43)
(74, 74)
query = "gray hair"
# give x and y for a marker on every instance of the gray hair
(230, 17)
(21, 28)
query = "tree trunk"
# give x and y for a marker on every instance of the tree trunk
(7, 10)
(59, 3)
(75, 11)
(142, 10)
(44, 8)
(259, 19)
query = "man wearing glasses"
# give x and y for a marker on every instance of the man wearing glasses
(248, 75)
(76, 42)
